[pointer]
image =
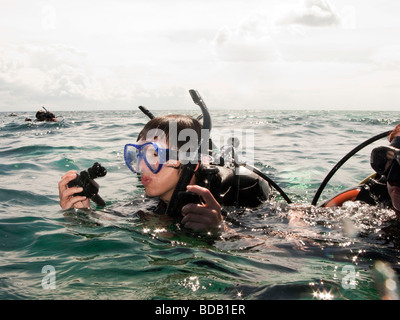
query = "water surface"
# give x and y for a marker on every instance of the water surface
(98, 255)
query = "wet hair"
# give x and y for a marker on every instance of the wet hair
(163, 123)
(395, 132)
(44, 116)
(40, 115)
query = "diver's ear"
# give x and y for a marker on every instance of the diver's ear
(198, 165)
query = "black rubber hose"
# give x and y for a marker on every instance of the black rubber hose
(343, 160)
(270, 181)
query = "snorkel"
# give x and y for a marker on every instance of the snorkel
(187, 171)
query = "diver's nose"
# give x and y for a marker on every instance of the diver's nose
(141, 166)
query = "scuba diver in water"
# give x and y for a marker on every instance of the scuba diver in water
(383, 187)
(181, 173)
(385, 161)
(44, 115)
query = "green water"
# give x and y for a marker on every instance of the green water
(98, 255)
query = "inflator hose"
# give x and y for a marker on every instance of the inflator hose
(343, 160)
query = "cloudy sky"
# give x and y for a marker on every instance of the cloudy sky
(254, 54)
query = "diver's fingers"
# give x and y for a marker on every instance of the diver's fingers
(197, 222)
(199, 213)
(201, 218)
(70, 172)
(203, 222)
(67, 177)
(208, 214)
(205, 194)
(71, 191)
(195, 226)
(68, 200)
(75, 202)
(199, 209)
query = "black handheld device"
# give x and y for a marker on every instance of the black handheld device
(90, 187)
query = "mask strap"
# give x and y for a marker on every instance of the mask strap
(396, 142)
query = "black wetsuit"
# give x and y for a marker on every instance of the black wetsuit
(374, 191)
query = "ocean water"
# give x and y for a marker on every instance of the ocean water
(49, 253)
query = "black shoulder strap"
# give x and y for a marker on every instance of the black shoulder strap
(374, 192)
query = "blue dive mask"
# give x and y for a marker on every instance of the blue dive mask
(152, 155)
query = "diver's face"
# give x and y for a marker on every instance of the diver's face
(394, 192)
(161, 184)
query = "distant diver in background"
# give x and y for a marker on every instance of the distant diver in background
(44, 115)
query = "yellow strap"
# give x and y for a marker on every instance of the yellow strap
(372, 176)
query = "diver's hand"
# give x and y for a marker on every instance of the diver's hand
(67, 199)
(205, 217)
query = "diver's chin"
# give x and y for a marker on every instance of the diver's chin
(396, 205)
(395, 190)
(149, 193)
(395, 195)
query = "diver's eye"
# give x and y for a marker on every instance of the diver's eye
(152, 155)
